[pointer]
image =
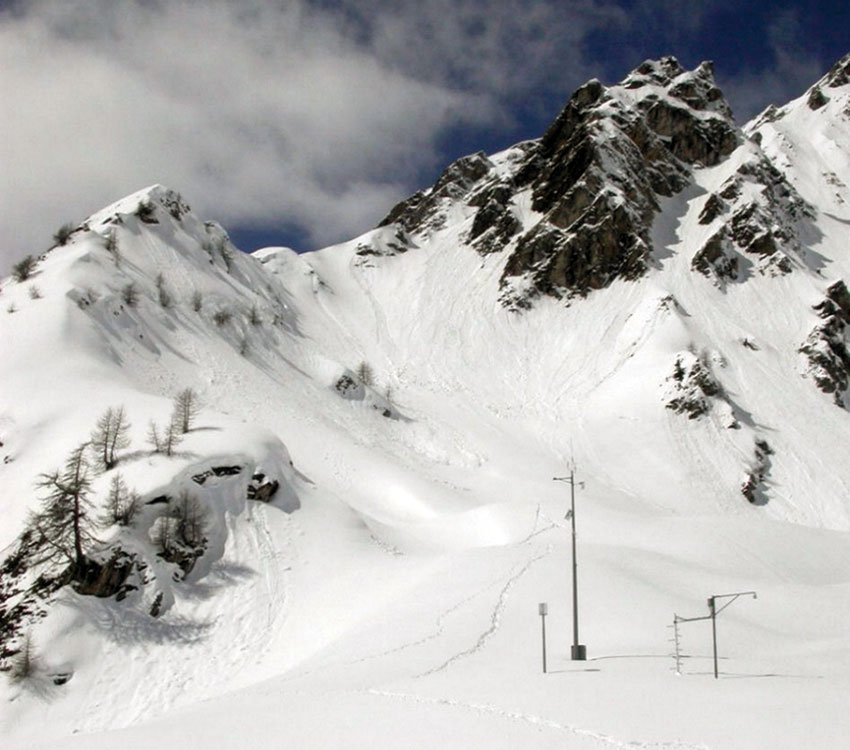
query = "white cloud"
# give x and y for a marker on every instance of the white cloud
(272, 117)
(318, 115)
(313, 113)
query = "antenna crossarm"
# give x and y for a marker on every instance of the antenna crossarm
(691, 619)
(731, 598)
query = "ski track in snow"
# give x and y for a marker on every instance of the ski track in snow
(440, 622)
(495, 617)
(486, 709)
(439, 630)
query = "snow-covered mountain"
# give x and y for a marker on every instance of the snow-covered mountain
(342, 540)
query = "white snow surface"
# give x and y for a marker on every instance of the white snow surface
(387, 596)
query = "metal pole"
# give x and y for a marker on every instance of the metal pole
(576, 651)
(712, 610)
(676, 643)
(543, 609)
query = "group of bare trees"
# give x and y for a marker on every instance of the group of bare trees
(108, 437)
(61, 535)
(166, 439)
(179, 535)
(61, 531)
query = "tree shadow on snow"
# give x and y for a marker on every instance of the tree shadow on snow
(125, 625)
(221, 575)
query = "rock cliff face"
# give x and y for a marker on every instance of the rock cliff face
(591, 184)
(598, 171)
(755, 214)
(827, 348)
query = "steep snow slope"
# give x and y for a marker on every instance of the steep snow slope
(387, 596)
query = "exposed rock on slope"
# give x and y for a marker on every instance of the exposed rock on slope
(593, 182)
(693, 386)
(827, 348)
(756, 214)
(599, 169)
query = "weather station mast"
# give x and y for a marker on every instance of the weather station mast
(578, 652)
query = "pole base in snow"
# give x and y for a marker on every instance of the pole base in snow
(578, 653)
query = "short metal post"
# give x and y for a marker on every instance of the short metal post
(712, 610)
(543, 609)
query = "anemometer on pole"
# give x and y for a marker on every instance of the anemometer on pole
(578, 652)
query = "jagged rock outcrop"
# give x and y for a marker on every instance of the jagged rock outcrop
(422, 211)
(692, 386)
(262, 488)
(599, 169)
(827, 348)
(839, 74)
(593, 181)
(754, 487)
(106, 578)
(756, 212)
(385, 242)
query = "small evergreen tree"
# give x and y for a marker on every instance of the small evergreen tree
(163, 535)
(34, 292)
(163, 293)
(222, 317)
(122, 504)
(23, 269)
(191, 520)
(179, 536)
(173, 438)
(254, 317)
(186, 408)
(110, 242)
(226, 255)
(62, 528)
(108, 437)
(130, 294)
(154, 438)
(23, 663)
(164, 442)
(197, 301)
(146, 212)
(63, 234)
(365, 374)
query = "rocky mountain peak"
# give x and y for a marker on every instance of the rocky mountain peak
(695, 88)
(572, 212)
(595, 177)
(839, 74)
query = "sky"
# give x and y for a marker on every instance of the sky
(302, 122)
